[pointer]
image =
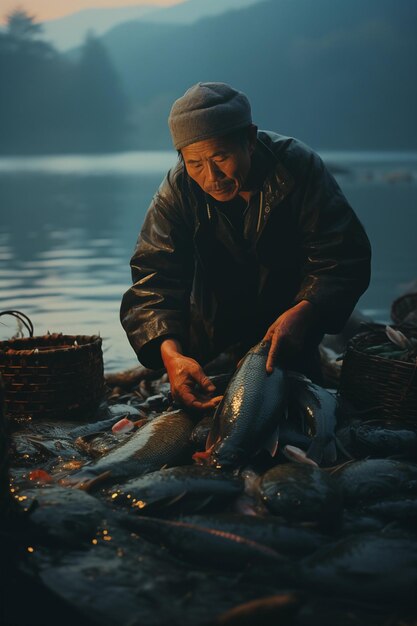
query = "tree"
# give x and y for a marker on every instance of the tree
(21, 25)
(102, 105)
(52, 104)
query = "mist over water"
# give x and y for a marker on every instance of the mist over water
(68, 226)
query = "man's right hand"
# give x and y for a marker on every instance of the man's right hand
(189, 384)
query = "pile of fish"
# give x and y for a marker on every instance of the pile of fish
(398, 346)
(282, 507)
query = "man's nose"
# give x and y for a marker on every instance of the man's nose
(213, 172)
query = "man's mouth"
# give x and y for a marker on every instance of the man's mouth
(222, 189)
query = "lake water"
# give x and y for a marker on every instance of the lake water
(68, 225)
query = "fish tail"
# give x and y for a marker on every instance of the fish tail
(321, 453)
(330, 453)
(299, 456)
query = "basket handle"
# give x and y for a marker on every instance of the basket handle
(27, 323)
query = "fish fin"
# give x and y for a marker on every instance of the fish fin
(162, 503)
(271, 444)
(299, 456)
(40, 476)
(214, 432)
(213, 436)
(316, 450)
(83, 440)
(322, 454)
(177, 498)
(330, 453)
(245, 506)
(204, 503)
(251, 481)
(202, 457)
(342, 449)
(140, 423)
(92, 482)
(298, 376)
(397, 337)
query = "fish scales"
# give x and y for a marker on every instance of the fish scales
(189, 488)
(300, 493)
(367, 480)
(206, 546)
(401, 509)
(163, 441)
(365, 567)
(381, 438)
(267, 530)
(253, 404)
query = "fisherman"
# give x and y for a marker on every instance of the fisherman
(248, 237)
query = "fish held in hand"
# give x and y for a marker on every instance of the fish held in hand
(248, 417)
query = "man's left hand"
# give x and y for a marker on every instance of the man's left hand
(288, 332)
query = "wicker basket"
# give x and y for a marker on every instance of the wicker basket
(405, 306)
(373, 382)
(53, 376)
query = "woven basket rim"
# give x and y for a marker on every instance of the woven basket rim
(57, 342)
(356, 342)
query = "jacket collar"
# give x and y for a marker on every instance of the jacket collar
(271, 178)
(278, 181)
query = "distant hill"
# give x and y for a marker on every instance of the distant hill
(335, 74)
(70, 31)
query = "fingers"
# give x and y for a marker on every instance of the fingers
(205, 382)
(273, 351)
(191, 387)
(215, 401)
(191, 402)
(188, 398)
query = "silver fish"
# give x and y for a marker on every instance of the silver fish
(177, 489)
(163, 441)
(247, 418)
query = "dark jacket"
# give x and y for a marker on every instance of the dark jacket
(307, 244)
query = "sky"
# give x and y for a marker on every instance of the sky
(51, 9)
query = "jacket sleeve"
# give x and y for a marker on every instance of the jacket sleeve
(157, 304)
(336, 252)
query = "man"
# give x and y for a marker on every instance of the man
(248, 237)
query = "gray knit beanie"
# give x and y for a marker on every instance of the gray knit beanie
(207, 110)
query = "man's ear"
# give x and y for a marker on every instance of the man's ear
(252, 136)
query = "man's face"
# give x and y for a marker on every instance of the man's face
(219, 165)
